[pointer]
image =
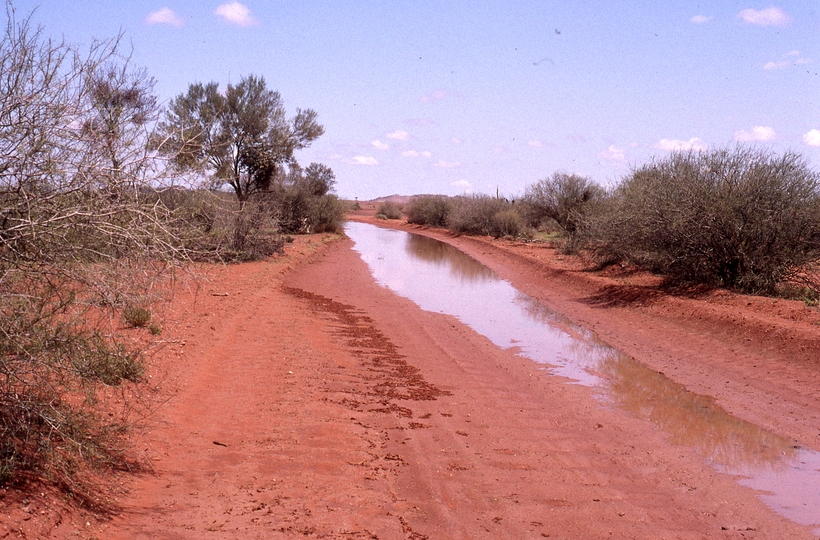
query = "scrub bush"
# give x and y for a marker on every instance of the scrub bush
(562, 198)
(389, 210)
(82, 234)
(136, 317)
(507, 223)
(430, 210)
(484, 215)
(742, 217)
(302, 201)
(215, 226)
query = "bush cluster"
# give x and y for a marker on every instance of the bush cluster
(430, 210)
(467, 214)
(484, 215)
(562, 199)
(215, 226)
(388, 210)
(88, 237)
(743, 218)
(302, 201)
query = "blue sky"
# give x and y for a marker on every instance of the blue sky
(467, 96)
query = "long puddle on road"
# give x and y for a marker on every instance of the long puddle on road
(442, 279)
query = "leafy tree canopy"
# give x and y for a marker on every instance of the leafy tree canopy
(241, 137)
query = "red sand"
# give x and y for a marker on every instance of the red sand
(310, 402)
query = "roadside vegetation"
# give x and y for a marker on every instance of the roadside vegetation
(104, 197)
(743, 218)
(388, 210)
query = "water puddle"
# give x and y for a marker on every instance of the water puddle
(442, 279)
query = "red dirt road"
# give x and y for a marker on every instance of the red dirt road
(311, 402)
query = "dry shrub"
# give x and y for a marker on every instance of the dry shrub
(508, 223)
(215, 226)
(430, 210)
(302, 201)
(136, 317)
(742, 217)
(563, 200)
(484, 215)
(81, 234)
(389, 210)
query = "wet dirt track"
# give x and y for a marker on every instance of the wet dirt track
(316, 403)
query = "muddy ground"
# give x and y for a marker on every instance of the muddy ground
(304, 400)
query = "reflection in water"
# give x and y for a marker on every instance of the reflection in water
(458, 263)
(440, 278)
(692, 419)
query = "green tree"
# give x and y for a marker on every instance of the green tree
(240, 137)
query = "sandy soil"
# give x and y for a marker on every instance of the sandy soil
(303, 400)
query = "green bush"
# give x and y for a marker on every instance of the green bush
(508, 223)
(328, 212)
(743, 218)
(430, 210)
(483, 215)
(389, 210)
(301, 200)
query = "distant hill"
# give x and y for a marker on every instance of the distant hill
(397, 199)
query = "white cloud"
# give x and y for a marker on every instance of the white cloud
(770, 16)
(380, 145)
(700, 19)
(437, 95)
(676, 144)
(235, 13)
(456, 140)
(447, 164)
(787, 60)
(461, 183)
(535, 144)
(165, 16)
(364, 160)
(410, 153)
(776, 65)
(398, 135)
(758, 133)
(613, 153)
(812, 138)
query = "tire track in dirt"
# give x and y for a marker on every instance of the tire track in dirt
(342, 411)
(513, 452)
